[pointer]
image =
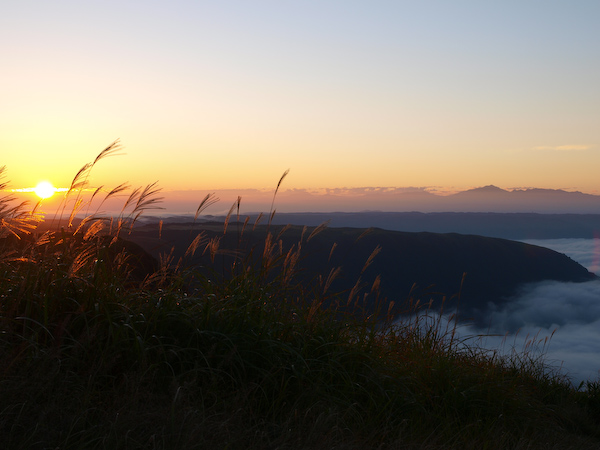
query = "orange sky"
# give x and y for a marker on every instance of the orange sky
(228, 96)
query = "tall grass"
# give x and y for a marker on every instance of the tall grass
(103, 349)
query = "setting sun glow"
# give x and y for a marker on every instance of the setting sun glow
(44, 189)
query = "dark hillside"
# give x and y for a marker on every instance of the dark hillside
(419, 265)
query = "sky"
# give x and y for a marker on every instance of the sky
(207, 96)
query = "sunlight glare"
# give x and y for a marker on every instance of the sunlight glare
(44, 189)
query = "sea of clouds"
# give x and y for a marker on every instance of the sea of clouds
(559, 320)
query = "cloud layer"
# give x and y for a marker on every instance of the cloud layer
(585, 251)
(560, 320)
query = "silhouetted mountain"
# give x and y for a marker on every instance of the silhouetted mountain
(485, 190)
(420, 265)
(518, 226)
(482, 199)
(494, 199)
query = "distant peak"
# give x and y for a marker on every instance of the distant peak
(490, 189)
(546, 191)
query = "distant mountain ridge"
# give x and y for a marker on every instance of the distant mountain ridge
(494, 188)
(515, 226)
(490, 189)
(485, 199)
(494, 199)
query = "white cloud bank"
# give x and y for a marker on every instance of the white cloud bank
(568, 314)
(585, 251)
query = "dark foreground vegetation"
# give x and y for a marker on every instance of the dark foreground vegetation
(101, 349)
(436, 267)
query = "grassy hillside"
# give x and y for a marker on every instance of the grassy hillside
(102, 349)
(424, 266)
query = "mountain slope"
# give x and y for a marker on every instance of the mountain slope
(419, 265)
(494, 199)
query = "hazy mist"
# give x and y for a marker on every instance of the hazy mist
(568, 314)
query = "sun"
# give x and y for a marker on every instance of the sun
(44, 189)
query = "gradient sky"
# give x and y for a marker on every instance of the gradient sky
(225, 95)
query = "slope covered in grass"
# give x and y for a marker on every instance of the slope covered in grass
(99, 352)
(423, 266)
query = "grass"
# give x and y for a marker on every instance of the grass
(102, 350)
